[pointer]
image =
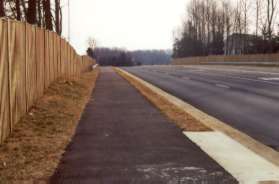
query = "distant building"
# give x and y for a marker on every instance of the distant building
(237, 44)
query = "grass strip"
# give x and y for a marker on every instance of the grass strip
(33, 151)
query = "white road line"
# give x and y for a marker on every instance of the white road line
(246, 166)
(270, 78)
(255, 80)
(222, 86)
(236, 70)
(244, 78)
(251, 71)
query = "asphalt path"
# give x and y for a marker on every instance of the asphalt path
(123, 139)
(245, 98)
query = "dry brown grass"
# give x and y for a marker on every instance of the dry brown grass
(38, 141)
(182, 119)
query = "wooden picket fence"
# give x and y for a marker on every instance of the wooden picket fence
(31, 58)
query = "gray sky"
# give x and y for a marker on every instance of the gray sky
(131, 24)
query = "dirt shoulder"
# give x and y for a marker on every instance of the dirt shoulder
(33, 151)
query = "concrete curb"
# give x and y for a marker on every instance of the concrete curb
(213, 123)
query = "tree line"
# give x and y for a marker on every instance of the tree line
(44, 13)
(210, 24)
(151, 57)
(111, 56)
(122, 57)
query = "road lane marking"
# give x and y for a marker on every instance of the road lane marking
(232, 77)
(240, 71)
(270, 78)
(254, 80)
(242, 78)
(223, 86)
(235, 70)
(243, 164)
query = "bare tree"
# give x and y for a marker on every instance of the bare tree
(37, 12)
(92, 43)
(227, 21)
(270, 7)
(18, 10)
(213, 19)
(238, 25)
(48, 15)
(2, 9)
(244, 5)
(40, 14)
(32, 12)
(258, 14)
(58, 17)
(208, 18)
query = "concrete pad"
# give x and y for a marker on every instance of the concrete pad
(245, 165)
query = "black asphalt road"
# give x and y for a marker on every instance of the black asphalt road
(245, 98)
(123, 139)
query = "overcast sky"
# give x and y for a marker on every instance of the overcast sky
(131, 24)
